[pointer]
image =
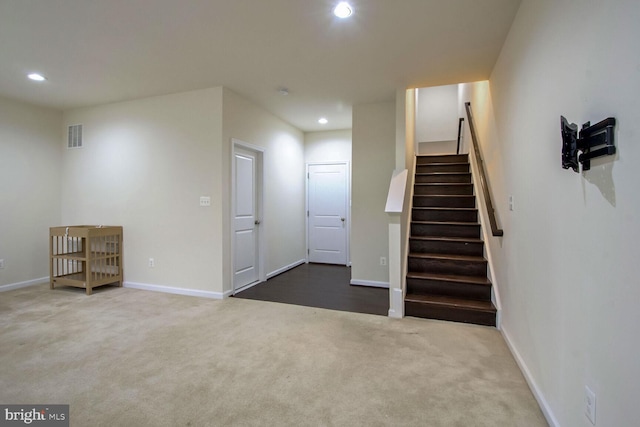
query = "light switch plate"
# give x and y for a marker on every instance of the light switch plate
(590, 404)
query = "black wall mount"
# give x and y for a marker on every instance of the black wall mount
(590, 137)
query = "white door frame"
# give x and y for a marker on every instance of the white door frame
(259, 151)
(348, 202)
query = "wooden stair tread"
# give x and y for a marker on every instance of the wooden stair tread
(442, 163)
(444, 195)
(439, 208)
(442, 184)
(474, 280)
(469, 258)
(446, 223)
(452, 302)
(426, 156)
(442, 173)
(447, 239)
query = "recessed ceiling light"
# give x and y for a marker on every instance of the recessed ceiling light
(343, 10)
(37, 77)
(323, 121)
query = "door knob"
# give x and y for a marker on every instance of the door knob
(257, 222)
(342, 219)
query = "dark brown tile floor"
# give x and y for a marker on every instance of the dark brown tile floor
(322, 286)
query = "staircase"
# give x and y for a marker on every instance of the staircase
(447, 271)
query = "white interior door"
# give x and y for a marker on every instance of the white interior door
(246, 219)
(327, 210)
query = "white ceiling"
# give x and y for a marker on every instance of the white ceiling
(100, 51)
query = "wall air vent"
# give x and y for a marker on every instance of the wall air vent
(74, 139)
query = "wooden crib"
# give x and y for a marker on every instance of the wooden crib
(85, 256)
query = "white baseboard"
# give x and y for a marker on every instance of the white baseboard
(544, 405)
(396, 306)
(285, 268)
(370, 283)
(12, 286)
(178, 291)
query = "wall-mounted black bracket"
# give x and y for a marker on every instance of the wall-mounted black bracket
(600, 134)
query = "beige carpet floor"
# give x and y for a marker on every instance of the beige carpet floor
(125, 357)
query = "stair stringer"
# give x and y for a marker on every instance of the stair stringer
(407, 224)
(486, 235)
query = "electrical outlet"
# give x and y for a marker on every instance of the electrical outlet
(383, 260)
(590, 404)
(1, 263)
(205, 201)
(510, 203)
(152, 263)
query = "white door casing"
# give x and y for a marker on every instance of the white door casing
(328, 208)
(246, 209)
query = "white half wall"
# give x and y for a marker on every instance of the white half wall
(405, 119)
(567, 264)
(30, 195)
(374, 152)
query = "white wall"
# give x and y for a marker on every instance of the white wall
(567, 264)
(327, 146)
(437, 119)
(284, 183)
(374, 150)
(144, 165)
(30, 194)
